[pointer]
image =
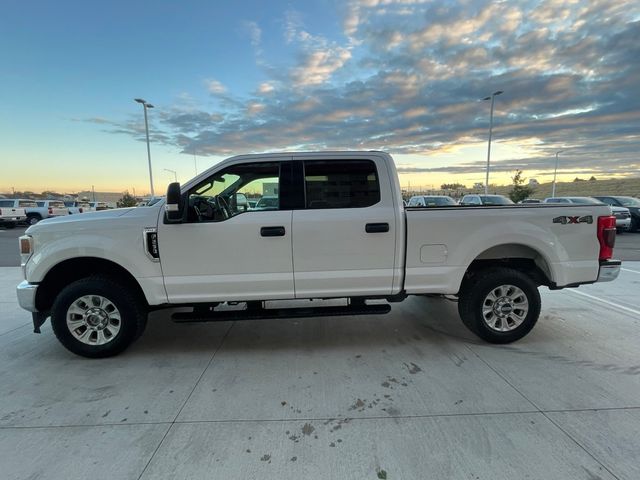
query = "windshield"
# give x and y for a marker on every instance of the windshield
(585, 201)
(629, 201)
(438, 201)
(495, 200)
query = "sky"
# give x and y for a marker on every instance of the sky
(405, 76)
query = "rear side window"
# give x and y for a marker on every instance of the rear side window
(6, 203)
(341, 184)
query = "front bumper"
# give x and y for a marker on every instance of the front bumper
(27, 295)
(623, 223)
(609, 270)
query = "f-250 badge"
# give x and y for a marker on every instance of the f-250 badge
(565, 220)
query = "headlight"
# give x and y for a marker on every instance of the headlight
(26, 245)
(26, 248)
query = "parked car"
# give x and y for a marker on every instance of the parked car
(76, 207)
(97, 206)
(268, 202)
(338, 231)
(530, 200)
(11, 213)
(633, 204)
(622, 214)
(431, 201)
(33, 211)
(475, 199)
(55, 208)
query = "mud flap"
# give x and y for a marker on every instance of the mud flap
(38, 320)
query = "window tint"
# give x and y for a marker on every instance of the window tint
(6, 203)
(341, 184)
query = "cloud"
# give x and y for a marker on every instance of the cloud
(407, 77)
(319, 65)
(265, 88)
(215, 87)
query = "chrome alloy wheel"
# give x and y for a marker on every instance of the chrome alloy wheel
(93, 319)
(505, 308)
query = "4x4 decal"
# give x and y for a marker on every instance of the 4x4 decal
(577, 219)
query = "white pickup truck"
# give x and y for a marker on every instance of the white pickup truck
(338, 230)
(11, 214)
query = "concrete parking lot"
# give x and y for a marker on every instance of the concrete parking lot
(409, 395)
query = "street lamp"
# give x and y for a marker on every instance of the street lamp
(492, 98)
(145, 106)
(555, 172)
(175, 175)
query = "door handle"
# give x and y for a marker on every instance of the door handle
(376, 227)
(272, 231)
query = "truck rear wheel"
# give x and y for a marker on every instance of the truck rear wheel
(97, 317)
(499, 305)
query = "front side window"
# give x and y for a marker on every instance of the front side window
(225, 194)
(341, 184)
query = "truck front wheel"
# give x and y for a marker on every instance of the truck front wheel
(499, 305)
(97, 317)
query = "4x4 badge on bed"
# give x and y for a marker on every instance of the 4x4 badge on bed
(564, 219)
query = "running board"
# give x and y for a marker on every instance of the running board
(267, 313)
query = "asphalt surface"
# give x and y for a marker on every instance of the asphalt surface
(9, 256)
(407, 395)
(627, 247)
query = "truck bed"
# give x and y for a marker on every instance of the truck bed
(443, 241)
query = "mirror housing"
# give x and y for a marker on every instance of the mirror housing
(173, 207)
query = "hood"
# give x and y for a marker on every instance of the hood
(615, 209)
(92, 220)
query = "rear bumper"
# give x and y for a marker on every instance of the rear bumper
(609, 270)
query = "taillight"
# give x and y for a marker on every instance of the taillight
(50, 211)
(606, 236)
(80, 210)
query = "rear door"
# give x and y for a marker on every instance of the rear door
(344, 236)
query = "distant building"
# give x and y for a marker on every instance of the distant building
(269, 189)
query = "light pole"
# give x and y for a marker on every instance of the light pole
(492, 98)
(175, 175)
(146, 105)
(555, 172)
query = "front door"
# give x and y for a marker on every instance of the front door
(224, 251)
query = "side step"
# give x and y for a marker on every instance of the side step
(266, 313)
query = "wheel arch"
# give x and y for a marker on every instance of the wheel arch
(518, 256)
(73, 269)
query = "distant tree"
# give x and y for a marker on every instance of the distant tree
(127, 200)
(50, 194)
(451, 186)
(578, 179)
(593, 179)
(520, 191)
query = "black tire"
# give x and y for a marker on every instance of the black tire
(133, 315)
(33, 219)
(474, 292)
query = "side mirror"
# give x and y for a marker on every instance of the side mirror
(173, 207)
